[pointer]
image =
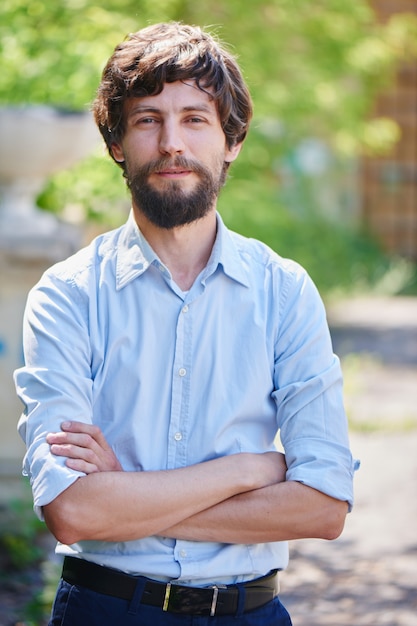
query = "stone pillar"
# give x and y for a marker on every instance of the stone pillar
(22, 262)
(35, 142)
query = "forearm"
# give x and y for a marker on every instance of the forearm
(122, 506)
(281, 512)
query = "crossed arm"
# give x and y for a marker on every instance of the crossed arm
(242, 498)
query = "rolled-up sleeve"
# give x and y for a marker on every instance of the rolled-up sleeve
(55, 384)
(309, 394)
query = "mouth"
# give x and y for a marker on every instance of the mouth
(174, 173)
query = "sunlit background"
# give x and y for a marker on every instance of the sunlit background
(306, 181)
(327, 176)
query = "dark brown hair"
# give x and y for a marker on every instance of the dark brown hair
(165, 53)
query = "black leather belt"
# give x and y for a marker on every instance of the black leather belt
(169, 596)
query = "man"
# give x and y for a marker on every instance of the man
(162, 361)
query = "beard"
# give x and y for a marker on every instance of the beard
(173, 206)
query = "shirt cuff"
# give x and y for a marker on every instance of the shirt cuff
(326, 466)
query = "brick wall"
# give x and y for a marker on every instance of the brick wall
(389, 184)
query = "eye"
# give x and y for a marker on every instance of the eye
(195, 119)
(146, 120)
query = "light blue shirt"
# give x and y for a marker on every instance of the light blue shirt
(177, 378)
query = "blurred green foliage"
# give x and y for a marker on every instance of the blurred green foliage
(26, 572)
(313, 69)
(19, 529)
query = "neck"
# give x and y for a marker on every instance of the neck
(185, 250)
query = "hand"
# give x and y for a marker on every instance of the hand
(261, 469)
(274, 468)
(85, 447)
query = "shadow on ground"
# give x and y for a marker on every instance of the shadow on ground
(324, 588)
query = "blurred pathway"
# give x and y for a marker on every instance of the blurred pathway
(369, 575)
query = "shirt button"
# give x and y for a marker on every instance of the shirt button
(185, 308)
(182, 371)
(178, 436)
(183, 553)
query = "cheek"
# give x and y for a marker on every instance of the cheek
(136, 159)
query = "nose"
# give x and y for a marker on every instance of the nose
(170, 140)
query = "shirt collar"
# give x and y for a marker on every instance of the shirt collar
(226, 254)
(135, 255)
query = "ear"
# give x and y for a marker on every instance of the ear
(117, 152)
(233, 152)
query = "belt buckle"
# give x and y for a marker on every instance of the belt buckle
(214, 600)
(213, 606)
(166, 597)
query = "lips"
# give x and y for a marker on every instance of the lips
(173, 172)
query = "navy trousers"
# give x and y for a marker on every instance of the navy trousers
(78, 606)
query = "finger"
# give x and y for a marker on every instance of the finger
(92, 430)
(84, 448)
(86, 443)
(80, 427)
(54, 438)
(80, 465)
(74, 439)
(74, 452)
(63, 437)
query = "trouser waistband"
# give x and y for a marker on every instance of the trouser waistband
(169, 596)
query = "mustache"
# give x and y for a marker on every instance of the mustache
(164, 163)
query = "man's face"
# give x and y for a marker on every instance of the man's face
(175, 151)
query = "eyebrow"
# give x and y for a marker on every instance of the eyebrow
(147, 108)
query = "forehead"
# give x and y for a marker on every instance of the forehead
(176, 97)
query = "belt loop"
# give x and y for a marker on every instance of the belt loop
(240, 600)
(137, 596)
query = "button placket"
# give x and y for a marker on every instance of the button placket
(177, 445)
